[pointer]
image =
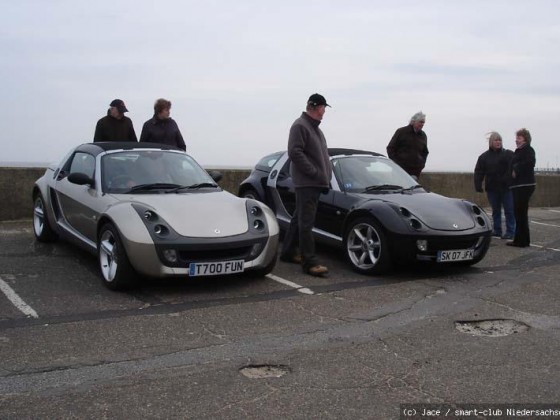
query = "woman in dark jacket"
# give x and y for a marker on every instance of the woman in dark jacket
(162, 128)
(492, 167)
(523, 186)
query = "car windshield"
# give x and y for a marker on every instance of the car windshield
(151, 170)
(370, 174)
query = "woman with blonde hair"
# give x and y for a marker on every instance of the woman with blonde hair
(492, 167)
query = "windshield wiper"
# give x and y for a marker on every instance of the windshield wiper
(193, 187)
(413, 187)
(153, 186)
(383, 187)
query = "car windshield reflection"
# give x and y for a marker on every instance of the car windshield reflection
(149, 170)
(371, 174)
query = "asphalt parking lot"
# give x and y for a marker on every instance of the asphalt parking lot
(283, 346)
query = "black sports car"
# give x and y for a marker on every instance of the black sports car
(377, 212)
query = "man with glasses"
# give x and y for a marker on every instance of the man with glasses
(409, 146)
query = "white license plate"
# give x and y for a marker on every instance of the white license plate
(455, 255)
(215, 268)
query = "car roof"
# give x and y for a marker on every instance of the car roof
(99, 147)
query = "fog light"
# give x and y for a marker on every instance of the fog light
(170, 255)
(422, 245)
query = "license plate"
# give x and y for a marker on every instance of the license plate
(455, 255)
(215, 268)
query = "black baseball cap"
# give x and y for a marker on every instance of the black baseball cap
(119, 104)
(317, 99)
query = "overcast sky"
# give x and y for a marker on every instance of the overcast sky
(239, 72)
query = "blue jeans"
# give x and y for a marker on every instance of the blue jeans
(497, 200)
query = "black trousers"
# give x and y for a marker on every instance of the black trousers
(521, 197)
(301, 226)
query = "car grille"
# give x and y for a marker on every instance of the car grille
(451, 243)
(239, 253)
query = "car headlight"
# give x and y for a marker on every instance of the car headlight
(257, 217)
(411, 220)
(150, 216)
(478, 214)
(157, 227)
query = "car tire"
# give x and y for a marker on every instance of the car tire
(251, 194)
(367, 247)
(116, 271)
(41, 226)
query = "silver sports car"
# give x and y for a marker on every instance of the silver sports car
(151, 209)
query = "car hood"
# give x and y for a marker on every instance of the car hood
(434, 210)
(200, 215)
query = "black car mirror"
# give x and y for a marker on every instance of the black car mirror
(80, 178)
(216, 175)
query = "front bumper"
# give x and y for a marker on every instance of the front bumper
(147, 259)
(405, 248)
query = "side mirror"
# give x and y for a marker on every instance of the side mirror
(216, 175)
(80, 178)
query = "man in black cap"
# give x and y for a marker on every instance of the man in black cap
(311, 173)
(115, 126)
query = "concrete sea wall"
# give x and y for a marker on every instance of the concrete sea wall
(16, 185)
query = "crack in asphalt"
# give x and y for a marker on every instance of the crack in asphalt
(372, 326)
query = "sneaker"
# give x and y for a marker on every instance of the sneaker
(317, 270)
(507, 237)
(496, 235)
(294, 259)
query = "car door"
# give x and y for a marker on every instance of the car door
(283, 191)
(77, 203)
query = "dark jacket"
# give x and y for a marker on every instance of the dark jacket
(162, 131)
(307, 148)
(523, 164)
(493, 167)
(112, 129)
(409, 149)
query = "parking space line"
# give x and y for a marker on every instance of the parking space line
(544, 247)
(16, 300)
(544, 224)
(296, 286)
